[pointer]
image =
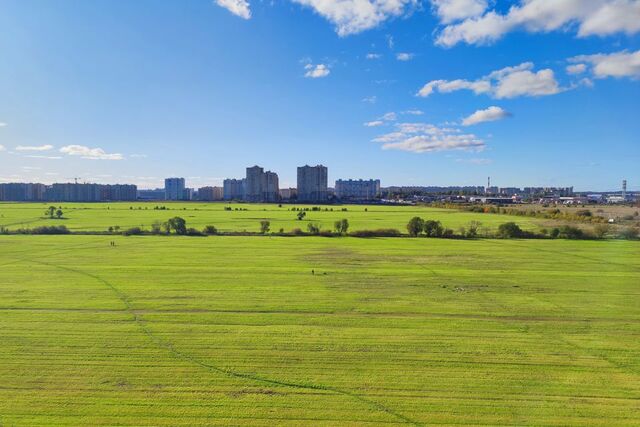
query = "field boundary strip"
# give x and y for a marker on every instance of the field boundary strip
(160, 343)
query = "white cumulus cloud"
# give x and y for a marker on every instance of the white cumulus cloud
(617, 64)
(45, 147)
(89, 153)
(237, 7)
(316, 71)
(355, 16)
(454, 10)
(490, 114)
(590, 17)
(509, 82)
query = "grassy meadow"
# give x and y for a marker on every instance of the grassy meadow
(238, 331)
(101, 216)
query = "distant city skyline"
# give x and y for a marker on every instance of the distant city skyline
(432, 93)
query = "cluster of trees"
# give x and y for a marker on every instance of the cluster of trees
(53, 212)
(431, 228)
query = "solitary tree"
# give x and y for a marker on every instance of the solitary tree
(341, 226)
(509, 230)
(177, 224)
(264, 226)
(51, 210)
(433, 228)
(313, 228)
(59, 213)
(301, 215)
(472, 230)
(415, 226)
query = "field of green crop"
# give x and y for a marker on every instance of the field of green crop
(238, 331)
(101, 216)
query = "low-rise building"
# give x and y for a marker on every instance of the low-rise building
(288, 193)
(357, 189)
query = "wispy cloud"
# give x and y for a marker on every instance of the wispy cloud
(576, 69)
(475, 161)
(370, 99)
(138, 156)
(316, 71)
(404, 56)
(425, 138)
(237, 7)
(38, 156)
(374, 123)
(89, 153)
(373, 56)
(46, 147)
(2, 124)
(2, 147)
(490, 114)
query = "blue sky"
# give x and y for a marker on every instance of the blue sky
(444, 92)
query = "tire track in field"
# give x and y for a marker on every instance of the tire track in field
(160, 343)
(594, 353)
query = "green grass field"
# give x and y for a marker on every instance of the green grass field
(237, 331)
(101, 216)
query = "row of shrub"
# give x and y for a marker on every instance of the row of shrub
(416, 227)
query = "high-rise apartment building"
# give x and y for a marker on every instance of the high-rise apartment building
(22, 192)
(210, 194)
(357, 189)
(254, 184)
(261, 186)
(312, 184)
(233, 189)
(174, 189)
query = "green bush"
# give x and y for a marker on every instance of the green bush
(381, 232)
(133, 231)
(570, 232)
(193, 232)
(509, 230)
(52, 229)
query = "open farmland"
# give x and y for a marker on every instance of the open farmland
(101, 216)
(237, 330)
